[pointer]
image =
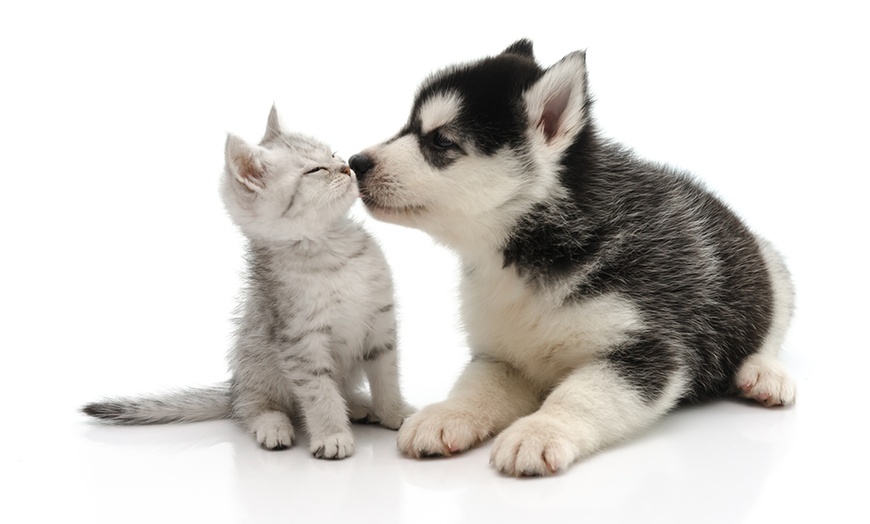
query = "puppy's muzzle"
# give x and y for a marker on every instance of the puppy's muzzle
(361, 165)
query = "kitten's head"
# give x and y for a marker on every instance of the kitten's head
(289, 187)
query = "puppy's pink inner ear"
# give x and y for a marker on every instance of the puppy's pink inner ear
(551, 117)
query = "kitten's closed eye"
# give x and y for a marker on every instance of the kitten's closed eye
(315, 170)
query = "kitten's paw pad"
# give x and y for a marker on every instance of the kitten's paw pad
(333, 447)
(762, 379)
(395, 418)
(441, 429)
(536, 445)
(273, 430)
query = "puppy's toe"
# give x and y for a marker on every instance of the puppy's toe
(442, 429)
(536, 445)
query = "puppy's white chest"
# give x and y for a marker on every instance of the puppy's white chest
(537, 332)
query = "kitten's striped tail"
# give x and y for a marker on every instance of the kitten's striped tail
(189, 405)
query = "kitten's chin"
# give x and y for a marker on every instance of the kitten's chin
(349, 198)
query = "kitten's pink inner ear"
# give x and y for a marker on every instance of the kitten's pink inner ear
(250, 171)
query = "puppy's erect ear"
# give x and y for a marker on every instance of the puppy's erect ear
(557, 103)
(273, 126)
(522, 48)
(244, 163)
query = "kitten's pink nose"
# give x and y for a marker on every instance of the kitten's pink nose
(346, 170)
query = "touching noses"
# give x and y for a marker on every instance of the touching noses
(361, 165)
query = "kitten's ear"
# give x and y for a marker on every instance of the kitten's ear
(244, 164)
(273, 126)
(557, 103)
(521, 47)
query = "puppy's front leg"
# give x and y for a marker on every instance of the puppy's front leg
(488, 396)
(592, 408)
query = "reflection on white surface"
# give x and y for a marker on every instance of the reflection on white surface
(120, 270)
(708, 464)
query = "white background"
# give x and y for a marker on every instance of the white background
(120, 269)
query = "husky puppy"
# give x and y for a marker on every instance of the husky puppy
(599, 290)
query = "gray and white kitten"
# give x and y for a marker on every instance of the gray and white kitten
(318, 309)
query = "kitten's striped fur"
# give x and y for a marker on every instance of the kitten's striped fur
(318, 314)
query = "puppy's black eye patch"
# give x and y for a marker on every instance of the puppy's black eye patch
(440, 141)
(439, 150)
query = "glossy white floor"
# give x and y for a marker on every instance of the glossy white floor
(120, 269)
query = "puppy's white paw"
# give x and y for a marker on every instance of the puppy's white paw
(762, 378)
(442, 429)
(333, 447)
(535, 445)
(273, 430)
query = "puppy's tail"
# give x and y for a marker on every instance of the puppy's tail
(189, 405)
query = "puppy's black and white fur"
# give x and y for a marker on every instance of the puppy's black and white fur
(599, 290)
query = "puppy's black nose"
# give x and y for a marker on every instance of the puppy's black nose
(361, 165)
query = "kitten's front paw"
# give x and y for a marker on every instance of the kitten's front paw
(442, 429)
(273, 430)
(394, 418)
(536, 445)
(333, 447)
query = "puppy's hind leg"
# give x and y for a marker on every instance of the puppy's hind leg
(762, 378)
(488, 396)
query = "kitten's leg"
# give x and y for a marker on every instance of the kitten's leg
(487, 397)
(271, 427)
(312, 377)
(359, 408)
(359, 405)
(380, 362)
(592, 408)
(388, 406)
